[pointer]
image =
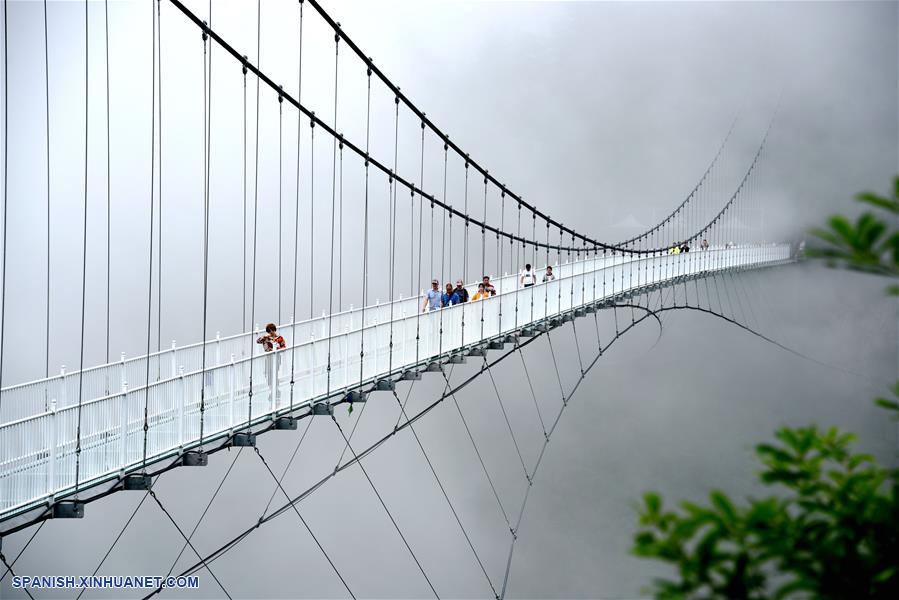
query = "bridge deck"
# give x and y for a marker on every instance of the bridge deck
(351, 349)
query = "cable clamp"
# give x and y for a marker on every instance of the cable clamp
(244, 65)
(205, 27)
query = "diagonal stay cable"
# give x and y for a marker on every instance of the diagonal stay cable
(230, 544)
(384, 505)
(408, 395)
(577, 346)
(502, 407)
(305, 524)
(552, 351)
(9, 570)
(116, 540)
(446, 496)
(200, 520)
(21, 552)
(527, 375)
(279, 480)
(533, 474)
(480, 458)
(164, 510)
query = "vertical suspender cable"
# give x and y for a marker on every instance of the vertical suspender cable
(533, 257)
(365, 233)
(499, 245)
(333, 214)
(280, 200)
(83, 256)
(546, 287)
(340, 229)
(108, 189)
(207, 151)
(483, 252)
(47, 122)
(443, 255)
(420, 229)
(465, 248)
(516, 274)
(152, 238)
(392, 199)
(255, 212)
(244, 247)
(432, 270)
(443, 227)
(159, 150)
(5, 190)
(296, 216)
(311, 217)
(465, 241)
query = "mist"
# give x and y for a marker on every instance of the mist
(603, 115)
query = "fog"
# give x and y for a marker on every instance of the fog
(603, 115)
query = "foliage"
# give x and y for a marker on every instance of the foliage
(832, 528)
(832, 532)
(871, 244)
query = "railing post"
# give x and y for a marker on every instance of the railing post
(54, 440)
(218, 348)
(180, 399)
(346, 356)
(232, 395)
(122, 376)
(174, 370)
(63, 395)
(124, 426)
(311, 366)
(403, 339)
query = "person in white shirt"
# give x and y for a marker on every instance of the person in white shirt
(548, 276)
(527, 276)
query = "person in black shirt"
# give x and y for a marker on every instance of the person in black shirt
(460, 289)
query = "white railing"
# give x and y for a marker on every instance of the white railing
(37, 451)
(26, 399)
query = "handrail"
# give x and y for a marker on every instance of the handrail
(308, 342)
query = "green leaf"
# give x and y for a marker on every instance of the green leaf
(887, 404)
(724, 505)
(873, 199)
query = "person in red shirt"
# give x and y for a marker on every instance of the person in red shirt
(272, 341)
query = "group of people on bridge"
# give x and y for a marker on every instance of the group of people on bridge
(685, 247)
(435, 299)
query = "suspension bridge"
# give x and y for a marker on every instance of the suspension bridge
(70, 438)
